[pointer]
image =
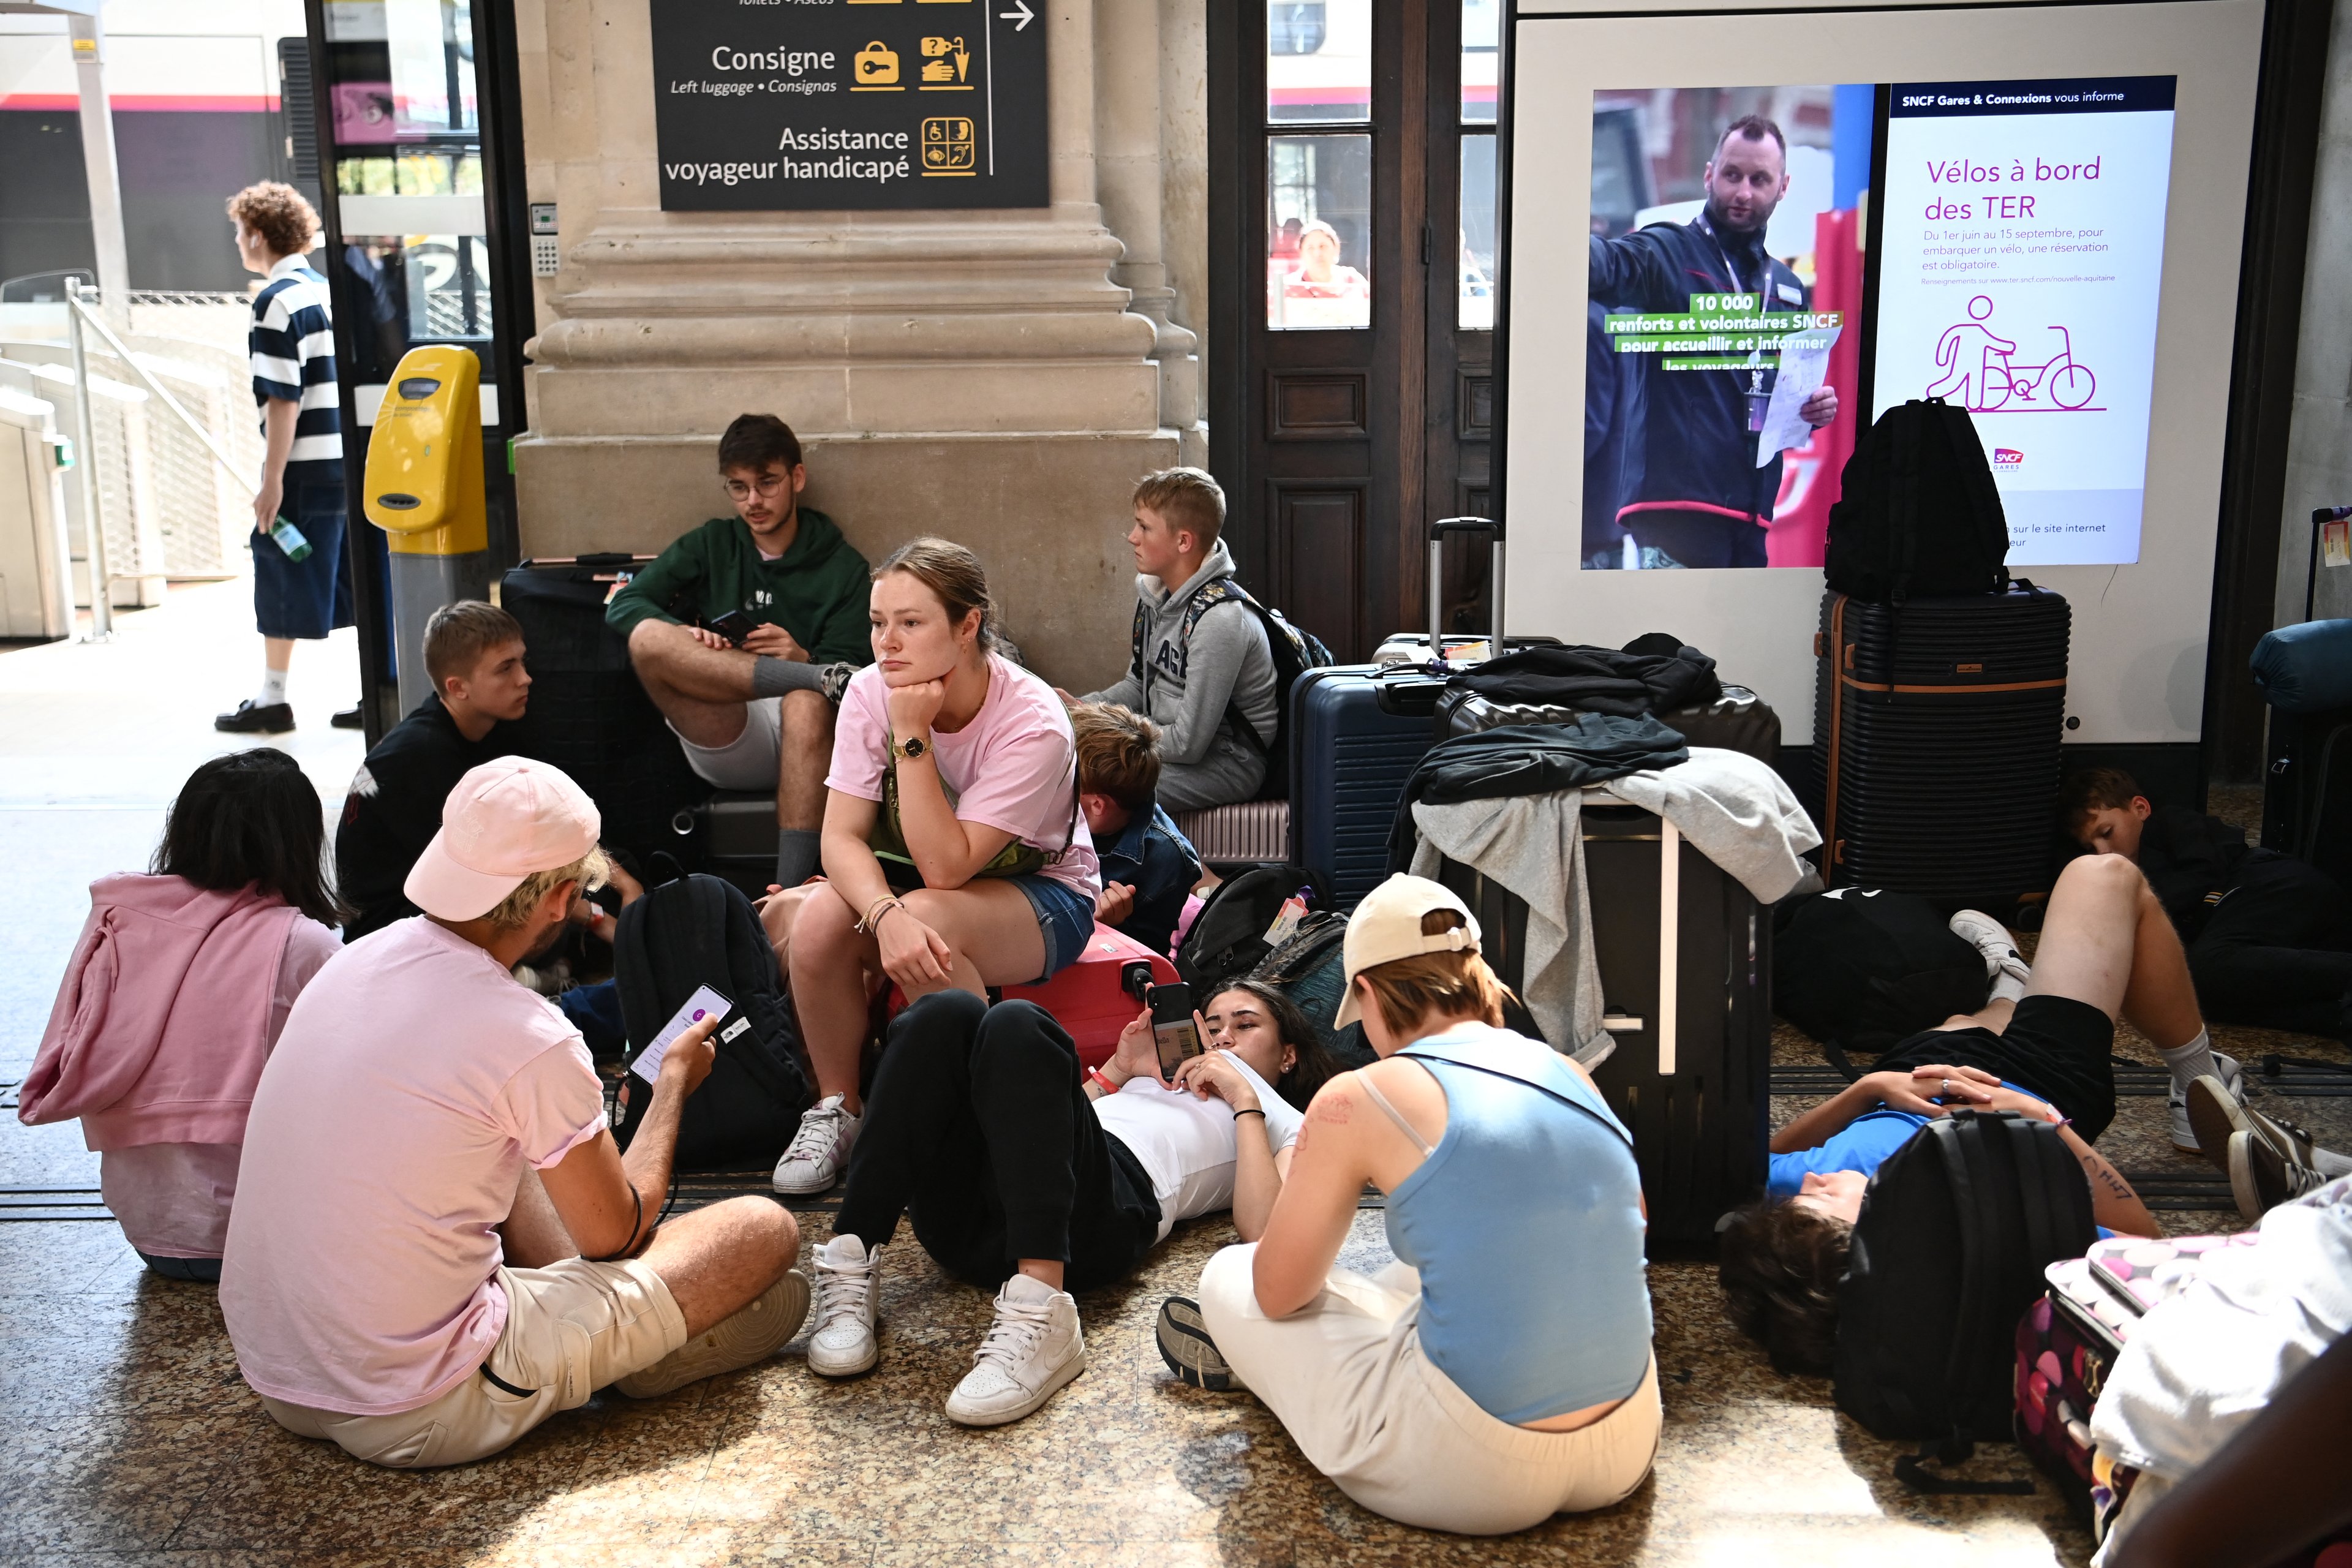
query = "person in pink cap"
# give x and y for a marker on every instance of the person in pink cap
(437, 1244)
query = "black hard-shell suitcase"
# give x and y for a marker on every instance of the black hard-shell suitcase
(733, 834)
(1739, 721)
(587, 715)
(1936, 739)
(2308, 797)
(1686, 961)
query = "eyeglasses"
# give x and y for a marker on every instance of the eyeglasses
(769, 489)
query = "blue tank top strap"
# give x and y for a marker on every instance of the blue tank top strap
(1498, 1056)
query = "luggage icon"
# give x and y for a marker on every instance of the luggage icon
(948, 147)
(875, 65)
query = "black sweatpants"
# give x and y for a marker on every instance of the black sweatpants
(979, 1132)
(2277, 950)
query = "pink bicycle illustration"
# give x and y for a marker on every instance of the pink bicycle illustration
(2068, 385)
(1979, 374)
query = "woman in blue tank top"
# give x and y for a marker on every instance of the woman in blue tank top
(1499, 1372)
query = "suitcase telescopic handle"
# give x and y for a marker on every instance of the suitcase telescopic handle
(1437, 532)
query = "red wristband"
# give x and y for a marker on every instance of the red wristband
(1094, 1075)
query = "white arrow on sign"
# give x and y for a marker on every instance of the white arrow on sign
(1019, 16)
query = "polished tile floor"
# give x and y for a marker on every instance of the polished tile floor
(126, 1437)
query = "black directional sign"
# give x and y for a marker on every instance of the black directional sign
(790, 105)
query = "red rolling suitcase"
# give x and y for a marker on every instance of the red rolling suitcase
(1099, 995)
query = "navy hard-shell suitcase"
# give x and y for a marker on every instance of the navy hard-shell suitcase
(1357, 731)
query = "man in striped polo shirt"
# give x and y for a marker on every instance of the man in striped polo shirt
(293, 347)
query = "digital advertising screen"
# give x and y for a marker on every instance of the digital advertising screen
(2018, 276)
(1732, 236)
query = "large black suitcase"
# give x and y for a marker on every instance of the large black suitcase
(1686, 957)
(2307, 794)
(588, 715)
(1937, 731)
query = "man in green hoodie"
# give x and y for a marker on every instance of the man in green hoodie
(754, 709)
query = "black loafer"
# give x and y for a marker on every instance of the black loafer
(249, 720)
(349, 718)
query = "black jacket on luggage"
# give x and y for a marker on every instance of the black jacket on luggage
(1530, 759)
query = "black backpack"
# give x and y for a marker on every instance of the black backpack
(1309, 969)
(1916, 511)
(1294, 650)
(700, 931)
(1956, 1228)
(1227, 938)
(1859, 971)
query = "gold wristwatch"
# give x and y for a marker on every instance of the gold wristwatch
(913, 746)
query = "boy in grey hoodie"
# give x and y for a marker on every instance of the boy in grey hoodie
(1210, 691)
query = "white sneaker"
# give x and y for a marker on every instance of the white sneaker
(819, 1150)
(1033, 1347)
(2232, 1079)
(2007, 971)
(847, 1317)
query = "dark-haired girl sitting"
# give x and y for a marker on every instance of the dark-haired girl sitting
(174, 996)
(1020, 1169)
(2107, 951)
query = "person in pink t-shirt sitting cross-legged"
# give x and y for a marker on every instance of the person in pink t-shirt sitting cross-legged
(435, 1244)
(955, 854)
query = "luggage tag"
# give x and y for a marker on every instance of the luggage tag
(699, 1007)
(1287, 919)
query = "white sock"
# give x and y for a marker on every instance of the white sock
(2006, 987)
(2328, 1163)
(2191, 1061)
(273, 688)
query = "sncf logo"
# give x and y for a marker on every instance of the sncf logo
(2007, 458)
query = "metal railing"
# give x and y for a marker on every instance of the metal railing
(83, 319)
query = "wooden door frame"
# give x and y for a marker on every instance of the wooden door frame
(1401, 272)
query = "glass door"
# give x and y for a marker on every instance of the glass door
(419, 158)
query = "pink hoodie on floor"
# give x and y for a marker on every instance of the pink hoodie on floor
(162, 1022)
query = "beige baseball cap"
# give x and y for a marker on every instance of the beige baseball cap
(1387, 926)
(504, 821)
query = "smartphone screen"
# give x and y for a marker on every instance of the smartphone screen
(1172, 1029)
(734, 626)
(703, 1001)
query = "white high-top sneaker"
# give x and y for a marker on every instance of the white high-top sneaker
(819, 1150)
(1034, 1347)
(845, 1343)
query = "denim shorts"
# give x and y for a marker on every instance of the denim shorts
(311, 597)
(1065, 919)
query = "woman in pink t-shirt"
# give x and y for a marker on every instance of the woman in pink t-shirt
(955, 854)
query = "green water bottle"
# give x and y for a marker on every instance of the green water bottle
(289, 539)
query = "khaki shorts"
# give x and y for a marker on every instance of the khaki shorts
(572, 1328)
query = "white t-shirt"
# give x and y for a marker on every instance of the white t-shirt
(2206, 1362)
(414, 1080)
(1186, 1143)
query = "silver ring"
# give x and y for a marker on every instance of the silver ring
(1948, 1088)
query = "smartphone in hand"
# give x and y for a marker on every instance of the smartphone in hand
(1172, 1029)
(703, 1003)
(734, 626)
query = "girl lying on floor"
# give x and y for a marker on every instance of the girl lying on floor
(1026, 1174)
(2107, 949)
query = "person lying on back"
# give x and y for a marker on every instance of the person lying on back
(1205, 676)
(1147, 867)
(745, 631)
(2039, 1047)
(474, 653)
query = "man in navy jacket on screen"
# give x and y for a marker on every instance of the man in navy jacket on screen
(1701, 500)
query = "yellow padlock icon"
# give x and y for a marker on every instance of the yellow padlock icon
(875, 65)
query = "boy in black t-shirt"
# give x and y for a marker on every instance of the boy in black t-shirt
(2269, 937)
(474, 653)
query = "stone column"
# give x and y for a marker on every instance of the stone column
(976, 374)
